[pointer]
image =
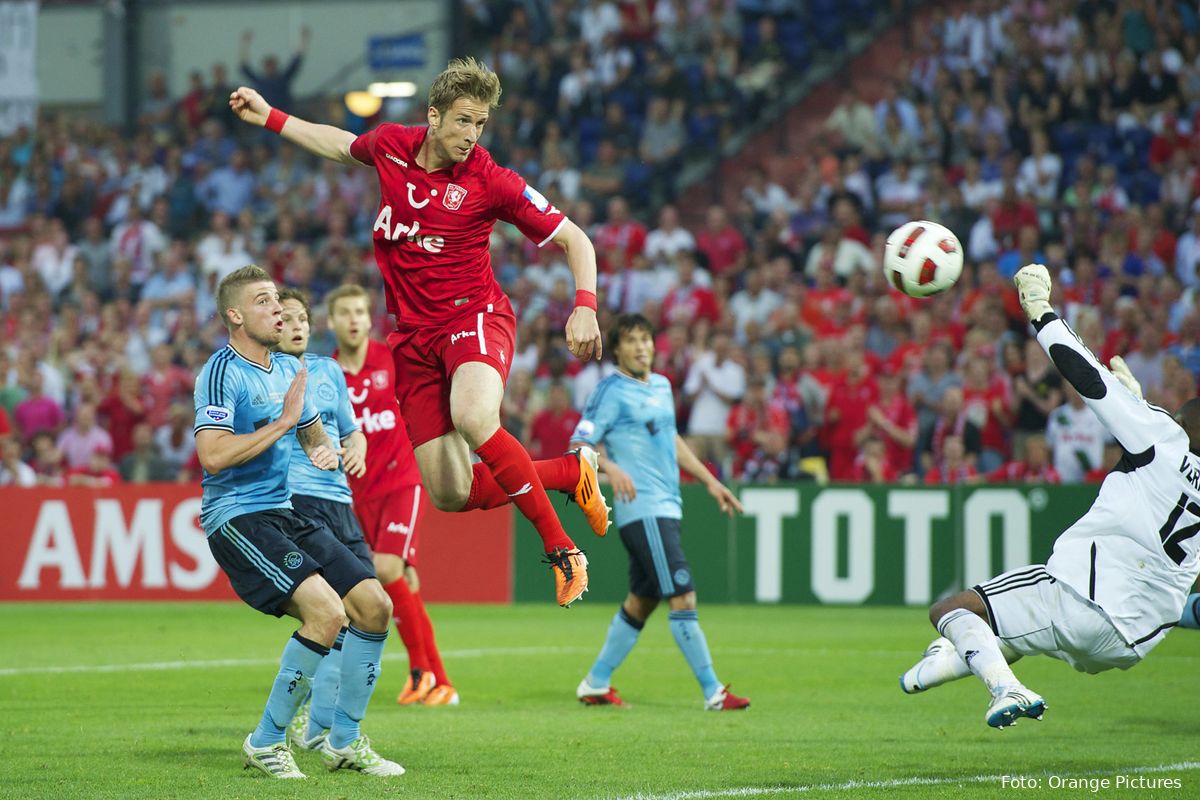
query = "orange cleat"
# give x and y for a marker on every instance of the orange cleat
(570, 574)
(443, 695)
(418, 686)
(587, 493)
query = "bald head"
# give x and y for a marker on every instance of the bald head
(1188, 416)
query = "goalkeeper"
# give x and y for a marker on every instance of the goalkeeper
(1118, 579)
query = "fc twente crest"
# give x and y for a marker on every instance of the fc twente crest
(454, 196)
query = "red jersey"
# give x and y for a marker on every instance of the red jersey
(390, 461)
(433, 229)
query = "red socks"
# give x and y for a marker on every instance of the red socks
(516, 476)
(560, 474)
(408, 611)
(435, 658)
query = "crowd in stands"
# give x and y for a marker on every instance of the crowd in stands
(1056, 131)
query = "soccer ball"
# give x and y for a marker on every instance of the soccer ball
(922, 258)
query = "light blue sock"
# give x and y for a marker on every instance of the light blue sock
(361, 656)
(325, 689)
(1191, 612)
(622, 636)
(301, 658)
(685, 627)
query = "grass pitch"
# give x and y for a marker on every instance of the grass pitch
(153, 701)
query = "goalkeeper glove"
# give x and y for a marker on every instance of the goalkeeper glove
(1033, 288)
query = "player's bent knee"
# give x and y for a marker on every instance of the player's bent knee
(369, 606)
(683, 602)
(966, 599)
(448, 498)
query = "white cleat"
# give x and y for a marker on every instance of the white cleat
(358, 756)
(275, 760)
(1014, 703)
(297, 732)
(939, 648)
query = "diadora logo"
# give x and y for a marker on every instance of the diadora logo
(374, 423)
(399, 161)
(454, 196)
(397, 527)
(383, 222)
(454, 337)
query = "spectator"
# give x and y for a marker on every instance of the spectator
(83, 438)
(139, 241)
(755, 302)
(1037, 390)
(893, 422)
(14, 471)
(174, 439)
(721, 244)
(854, 391)
(662, 142)
(122, 410)
(143, 464)
(273, 84)
(621, 232)
(98, 473)
(38, 412)
(1035, 467)
(551, 428)
(229, 188)
(927, 387)
(853, 124)
(714, 383)
(758, 431)
(670, 238)
(872, 464)
(691, 299)
(47, 460)
(952, 421)
(838, 252)
(954, 467)
(1076, 437)
(1146, 361)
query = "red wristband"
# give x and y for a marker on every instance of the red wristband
(275, 121)
(585, 298)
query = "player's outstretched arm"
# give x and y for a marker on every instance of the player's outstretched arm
(583, 331)
(1136, 424)
(688, 461)
(325, 141)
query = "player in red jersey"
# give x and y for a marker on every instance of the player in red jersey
(455, 330)
(387, 498)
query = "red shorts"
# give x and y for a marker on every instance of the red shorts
(390, 522)
(426, 360)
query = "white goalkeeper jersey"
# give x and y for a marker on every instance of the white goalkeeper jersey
(1135, 552)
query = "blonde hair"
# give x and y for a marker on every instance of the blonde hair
(229, 292)
(464, 77)
(344, 291)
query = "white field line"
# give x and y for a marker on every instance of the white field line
(159, 666)
(849, 786)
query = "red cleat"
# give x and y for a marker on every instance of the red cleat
(725, 700)
(590, 696)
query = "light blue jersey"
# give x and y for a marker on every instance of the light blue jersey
(237, 395)
(635, 422)
(327, 392)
